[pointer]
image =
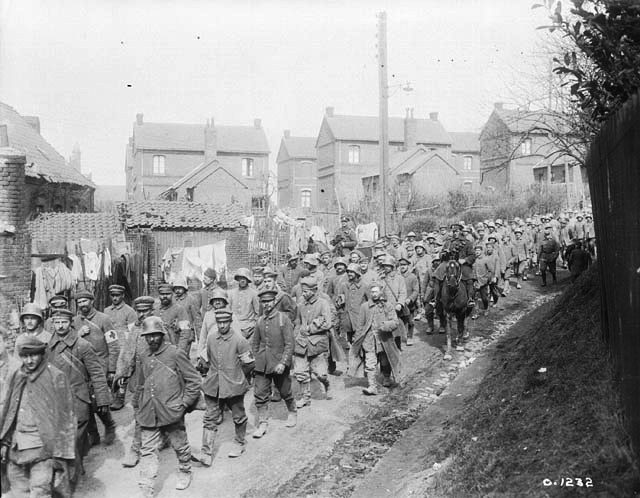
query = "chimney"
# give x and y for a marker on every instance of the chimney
(210, 142)
(74, 159)
(257, 123)
(287, 133)
(4, 136)
(498, 106)
(433, 116)
(329, 112)
(139, 119)
(410, 130)
(33, 121)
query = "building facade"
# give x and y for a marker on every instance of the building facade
(465, 152)
(347, 151)
(196, 162)
(297, 173)
(517, 152)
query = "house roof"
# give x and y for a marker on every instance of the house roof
(190, 137)
(522, 121)
(74, 226)
(43, 161)
(366, 129)
(409, 161)
(198, 174)
(181, 215)
(300, 147)
(465, 141)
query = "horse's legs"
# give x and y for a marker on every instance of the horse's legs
(447, 354)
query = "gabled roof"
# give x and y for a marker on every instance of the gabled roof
(43, 161)
(181, 215)
(74, 226)
(190, 137)
(366, 129)
(465, 141)
(408, 162)
(523, 121)
(200, 173)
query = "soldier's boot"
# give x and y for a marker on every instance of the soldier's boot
(430, 325)
(118, 402)
(544, 278)
(109, 429)
(372, 389)
(292, 418)
(553, 276)
(132, 458)
(386, 382)
(325, 382)
(305, 400)
(206, 451)
(183, 480)
(261, 422)
(239, 442)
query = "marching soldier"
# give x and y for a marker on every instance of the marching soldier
(31, 318)
(243, 301)
(230, 362)
(394, 289)
(548, 252)
(411, 301)
(121, 315)
(175, 319)
(97, 329)
(289, 274)
(188, 302)
(57, 302)
(209, 279)
(272, 345)
(169, 387)
(77, 359)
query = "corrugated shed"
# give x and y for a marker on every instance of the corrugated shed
(181, 215)
(190, 137)
(43, 161)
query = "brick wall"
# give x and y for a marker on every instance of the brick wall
(15, 248)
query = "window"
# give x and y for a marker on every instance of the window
(158, 165)
(467, 162)
(468, 185)
(354, 154)
(247, 167)
(305, 198)
(526, 147)
(257, 202)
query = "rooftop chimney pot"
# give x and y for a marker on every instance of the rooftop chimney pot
(139, 117)
(257, 123)
(433, 116)
(498, 106)
(287, 133)
(329, 112)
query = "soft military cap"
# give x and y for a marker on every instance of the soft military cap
(84, 294)
(116, 289)
(29, 344)
(143, 303)
(267, 295)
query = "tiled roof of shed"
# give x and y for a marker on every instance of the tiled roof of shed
(181, 215)
(43, 161)
(74, 226)
(190, 137)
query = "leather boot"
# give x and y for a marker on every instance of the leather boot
(305, 400)
(131, 459)
(372, 389)
(183, 481)
(261, 422)
(118, 402)
(292, 419)
(239, 442)
(206, 451)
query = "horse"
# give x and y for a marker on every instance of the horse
(455, 303)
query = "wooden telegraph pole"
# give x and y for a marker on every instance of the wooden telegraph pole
(384, 119)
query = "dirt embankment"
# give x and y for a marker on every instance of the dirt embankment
(546, 420)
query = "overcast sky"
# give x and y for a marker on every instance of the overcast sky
(87, 67)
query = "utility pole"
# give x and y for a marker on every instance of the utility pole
(384, 119)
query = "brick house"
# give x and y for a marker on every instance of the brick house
(465, 151)
(51, 183)
(198, 162)
(517, 152)
(297, 173)
(348, 150)
(177, 224)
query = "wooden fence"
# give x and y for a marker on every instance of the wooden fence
(614, 176)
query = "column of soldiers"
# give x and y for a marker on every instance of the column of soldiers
(275, 325)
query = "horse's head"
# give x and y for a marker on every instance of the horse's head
(452, 274)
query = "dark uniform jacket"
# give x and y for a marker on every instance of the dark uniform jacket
(77, 359)
(461, 248)
(169, 384)
(176, 321)
(51, 402)
(548, 250)
(272, 341)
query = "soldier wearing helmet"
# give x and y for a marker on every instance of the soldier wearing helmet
(33, 323)
(189, 302)
(244, 303)
(170, 388)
